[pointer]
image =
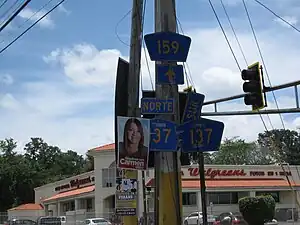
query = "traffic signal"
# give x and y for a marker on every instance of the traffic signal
(253, 87)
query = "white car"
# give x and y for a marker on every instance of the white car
(97, 221)
(196, 218)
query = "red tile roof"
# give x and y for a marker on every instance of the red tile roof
(29, 206)
(108, 147)
(232, 183)
(71, 193)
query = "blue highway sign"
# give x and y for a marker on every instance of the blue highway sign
(167, 46)
(163, 135)
(170, 74)
(193, 107)
(202, 135)
(157, 106)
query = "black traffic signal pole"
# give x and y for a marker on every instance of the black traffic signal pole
(202, 187)
(263, 85)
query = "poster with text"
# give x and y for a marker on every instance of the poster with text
(126, 197)
(133, 146)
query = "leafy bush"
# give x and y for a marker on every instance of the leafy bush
(257, 210)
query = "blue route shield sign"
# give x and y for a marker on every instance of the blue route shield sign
(163, 136)
(167, 46)
(203, 135)
(157, 106)
(193, 107)
(169, 74)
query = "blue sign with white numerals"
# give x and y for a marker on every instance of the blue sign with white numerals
(170, 74)
(193, 107)
(163, 135)
(167, 46)
(202, 135)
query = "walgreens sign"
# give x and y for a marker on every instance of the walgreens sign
(193, 172)
(212, 173)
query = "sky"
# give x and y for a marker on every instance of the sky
(57, 81)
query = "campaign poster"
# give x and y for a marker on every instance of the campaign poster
(133, 146)
(126, 197)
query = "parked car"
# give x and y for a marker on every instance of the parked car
(51, 220)
(20, 222)
(196, 218)
(236, 218)
(97, 221)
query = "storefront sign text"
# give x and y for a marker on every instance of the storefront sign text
(75, 183)
(212, 173)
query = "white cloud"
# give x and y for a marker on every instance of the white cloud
(6, 79)
(291, 19)
(8, 101)
(52, 110)
(32, 15)
(62, 9)
(85, 64)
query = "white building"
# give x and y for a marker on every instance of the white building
(92, 194)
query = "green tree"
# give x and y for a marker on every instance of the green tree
(236, 151)
(41, 164)
(257, 210)
(89, 163)
(282, 144)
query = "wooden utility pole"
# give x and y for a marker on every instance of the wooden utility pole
(134, 77)
(168, 199)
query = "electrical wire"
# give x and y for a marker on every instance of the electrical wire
(234, 33)
(7, 11)
(28, 19)
(30, 27)
(227, 40)
(186, 67)
(223, 31)
(279, 17)
(145, 49)
(14, 14)
(262, 59)
(2, 4)
(117, 25)
(274, 142)
(240, 47)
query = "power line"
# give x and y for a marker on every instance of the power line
(117, 25)
(279, 17)
(223, 31)
(234, 33)
(262, 59)
(274, 144)
(15, 14)
(29, 18)
(36, 22)
(7, 11)
(2, 4)
(216, 15)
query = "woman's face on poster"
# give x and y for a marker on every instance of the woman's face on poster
(133, 134)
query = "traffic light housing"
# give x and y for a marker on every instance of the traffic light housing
(253, 87)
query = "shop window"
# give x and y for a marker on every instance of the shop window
(223, 197)
(189, 198)
(72, 206)
(66, 207)
(108, 177)
(274, 194)
(89, 204)
(243, 194)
